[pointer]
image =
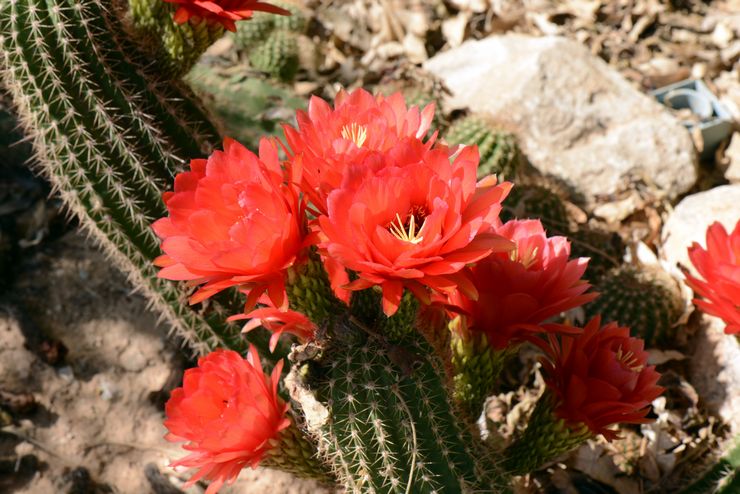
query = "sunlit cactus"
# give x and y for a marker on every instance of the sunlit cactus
(109, 133)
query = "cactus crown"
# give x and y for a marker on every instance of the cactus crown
(646, 299)
(499, 151)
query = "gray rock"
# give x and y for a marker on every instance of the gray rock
(576, 118)
(715, 364)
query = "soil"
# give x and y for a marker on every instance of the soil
(85, 370)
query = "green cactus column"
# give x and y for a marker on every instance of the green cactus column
(180, 45)
(383, 419)
(110, 134)
(646, 299)
(545, 438)
(723, 477)
(499, 152)
(271, 42)
(477, 369)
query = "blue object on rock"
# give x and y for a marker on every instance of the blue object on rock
(712, 119)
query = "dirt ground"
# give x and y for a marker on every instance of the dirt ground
(85, 369)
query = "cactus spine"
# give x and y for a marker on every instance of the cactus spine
(271, 42)
(110, 136)
(499, 152)
(180, 44)
(646, 299)
(545, 438)
(388, 425)
(723, 477)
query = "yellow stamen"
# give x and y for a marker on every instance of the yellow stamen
(399, 230)
(355, 133)
(526, 260)
(629, 359)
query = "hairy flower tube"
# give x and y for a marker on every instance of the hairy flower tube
(234, 219)
(328, 140)
(519, 289)
(719, 266)
(224, 12)
(229, 413)
(599, 377)
(414, 221)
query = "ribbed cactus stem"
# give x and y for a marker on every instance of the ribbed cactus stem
(545, 438)
(723, 477)
(110, 135)
(309, 291)
(401, 325)
(533, 201)
(383, 419)
(477, 368)
(179, 44)
(645, 298)
(293, 452)
(499, 152)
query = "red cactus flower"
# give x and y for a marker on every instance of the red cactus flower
(415, 221)
(277, 322)
(600, 377)
(233, 221)
(229, 413)
(329, 140)
(719, 265)
(224, 12)
(520, 289)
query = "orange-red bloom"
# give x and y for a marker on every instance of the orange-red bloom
(277, 322)
(414, 219)
(719, 265)
(224, 12)
(228, 411)
(600, 377)
(329, 140)
(234, 220)
(518, 290)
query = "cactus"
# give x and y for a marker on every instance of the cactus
(249, 34)
(271, 42)
(536, 201)
(723, 477)
(499, 152)
(383, 420)
(179, 45)
(604, 249)
(109, 134)
(647, 300)
(277, 55)
(545, 438)
(248, 108)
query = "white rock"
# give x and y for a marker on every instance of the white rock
(576, 117)
(692, 216)
(732, 173)
(715, 370)
(715, 364)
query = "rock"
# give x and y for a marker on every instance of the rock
(576, 117)
(732, 153)
(715, 370)
(715, 364)
(690, 219)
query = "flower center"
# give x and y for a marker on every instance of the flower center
(407, 230)
(356, 133)
(524, 257)
(629, 360)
